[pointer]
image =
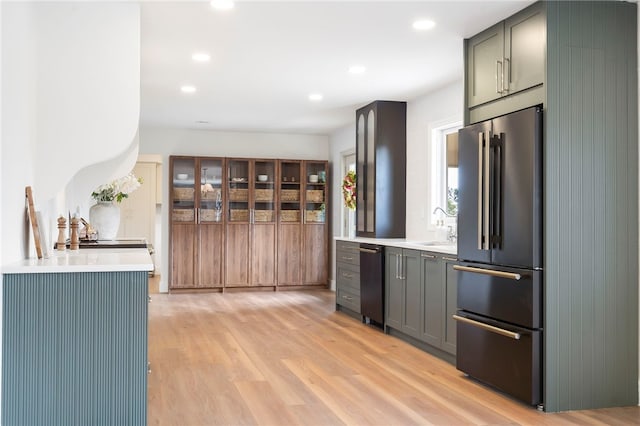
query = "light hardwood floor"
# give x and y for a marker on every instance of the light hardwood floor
(288, 358)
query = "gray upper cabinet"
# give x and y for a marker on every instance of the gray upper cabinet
(381, 163)
(525, 49)
(506, 58)
(485, 53)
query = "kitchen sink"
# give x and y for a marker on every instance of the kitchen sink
(435, 243)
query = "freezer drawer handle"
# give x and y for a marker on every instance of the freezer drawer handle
(366, 250)
(497, 330)
(501, 274)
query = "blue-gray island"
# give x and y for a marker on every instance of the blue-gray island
(74, 338)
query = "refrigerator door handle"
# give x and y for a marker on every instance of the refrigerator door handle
(499, 274)
(486, 194)
(491, 328)
(497, 204)
(480, 189)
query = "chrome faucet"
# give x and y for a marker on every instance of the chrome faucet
(445, 213)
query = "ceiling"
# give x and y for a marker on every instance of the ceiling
(267, 57)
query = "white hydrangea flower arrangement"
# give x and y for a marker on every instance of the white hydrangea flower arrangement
(118, 189)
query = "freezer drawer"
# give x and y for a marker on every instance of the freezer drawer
(509, 294)
(510, 363)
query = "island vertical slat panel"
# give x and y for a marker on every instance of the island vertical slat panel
(75, 348)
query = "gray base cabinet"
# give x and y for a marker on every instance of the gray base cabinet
(421, 294)
(402, 287)
(347, 276)
(432, 298)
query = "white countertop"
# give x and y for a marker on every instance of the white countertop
(85, 260)
(433, 246)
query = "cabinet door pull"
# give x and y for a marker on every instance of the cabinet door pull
(428, 256)
(347, 258)
(450, 259)
(506, 71)
(498, 69)
(491, 272)
(491, 328)
(347, 297)
(345, 275)
(366, 250)
(397, 268)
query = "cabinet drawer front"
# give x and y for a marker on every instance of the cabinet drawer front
(348, 276)
(348, 253)
(511, 365)
(348, 299)
(518, 301)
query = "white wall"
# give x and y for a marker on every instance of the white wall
(71, 98)
(206, 143)
(430, 111)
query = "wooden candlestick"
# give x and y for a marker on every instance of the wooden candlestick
(62, 225)
(75, 239)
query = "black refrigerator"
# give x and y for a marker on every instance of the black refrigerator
(499, 319)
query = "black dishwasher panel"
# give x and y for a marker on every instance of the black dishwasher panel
(372, 283)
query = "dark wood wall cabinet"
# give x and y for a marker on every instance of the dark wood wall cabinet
(381, 169)
(245, 222)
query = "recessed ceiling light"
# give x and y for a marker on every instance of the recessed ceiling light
(188, 89)
(201, 57)
(222, 4)
(315, 97)
(423, 24)
(357, 69)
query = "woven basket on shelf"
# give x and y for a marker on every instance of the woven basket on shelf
(264, 194)
(314, 215)
(236, 215)
(289, 195)
(209, 215)
(183, 193)
(183, 215)
(289, 216)
(211, 195)
(236, 194)
(263, 215)
(315, 196)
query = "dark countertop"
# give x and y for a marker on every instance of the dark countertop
(139, 243)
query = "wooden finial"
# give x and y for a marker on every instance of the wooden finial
(62, 226)
(75, 239)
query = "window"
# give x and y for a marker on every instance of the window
(444, 154)
(348, 215)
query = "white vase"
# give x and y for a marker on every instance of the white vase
(105, 218)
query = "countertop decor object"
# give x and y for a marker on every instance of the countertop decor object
(117, 189)
(105, 215)
(349, 190)
(262, 178)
